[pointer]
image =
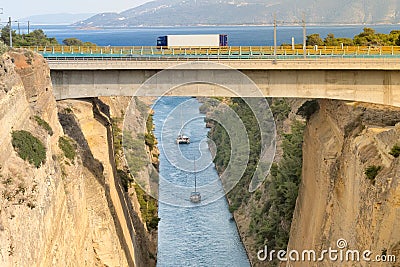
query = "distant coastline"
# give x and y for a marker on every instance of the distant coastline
(231, 25)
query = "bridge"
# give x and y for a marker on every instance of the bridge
(366, 74)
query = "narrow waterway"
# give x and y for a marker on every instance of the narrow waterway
(189, 234)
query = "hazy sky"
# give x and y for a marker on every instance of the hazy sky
(24, 8)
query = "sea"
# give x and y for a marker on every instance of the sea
(237, 35)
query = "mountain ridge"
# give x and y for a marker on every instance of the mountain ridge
(250, 12)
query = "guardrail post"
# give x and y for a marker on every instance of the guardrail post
(101, 51)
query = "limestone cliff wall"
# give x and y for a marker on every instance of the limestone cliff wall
(336, 200)
(62, 213)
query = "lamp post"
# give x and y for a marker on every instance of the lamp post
(10, 30)
(304, 37)
(9, 23)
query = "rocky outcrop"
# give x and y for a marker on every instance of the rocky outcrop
(337, 199)
(65, 212)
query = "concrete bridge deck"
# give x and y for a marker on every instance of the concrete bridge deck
(123, 63)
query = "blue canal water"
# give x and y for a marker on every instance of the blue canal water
(237, 35)
(189, 234)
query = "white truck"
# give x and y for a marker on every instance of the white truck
(193, 40)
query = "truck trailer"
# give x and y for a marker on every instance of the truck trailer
(193, 40)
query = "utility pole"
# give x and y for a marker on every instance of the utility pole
(275, 55)
(19, 30)
(28, 26)
(9, 23)
(304, 37)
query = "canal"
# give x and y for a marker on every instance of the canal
(191, 234)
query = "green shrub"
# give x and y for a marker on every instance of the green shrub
(29, 147)
(65, 144)
(135, 153)
(395, 151)
(148, 208)
(280, 109)
(125, 179)
(372, 171)
(42, 123)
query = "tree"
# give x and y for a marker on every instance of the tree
(314, 39)
(369, 37)
(330, 40)
(36, 37)
(5, 34)
(345, 41)
(72, 42)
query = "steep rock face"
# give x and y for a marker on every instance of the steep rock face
(41, 224)
(336, 199)
(61, 213)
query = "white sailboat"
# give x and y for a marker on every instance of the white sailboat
(195, 196)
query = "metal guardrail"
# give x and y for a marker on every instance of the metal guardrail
(231, 52)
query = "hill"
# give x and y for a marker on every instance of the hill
(59, 18)
(250, 12)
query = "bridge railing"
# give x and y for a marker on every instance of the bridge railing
(231, 51)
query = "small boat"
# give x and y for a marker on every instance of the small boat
(195, 196)
(183, 139)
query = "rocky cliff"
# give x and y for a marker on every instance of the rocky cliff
(335, 176)
(68, 210)
(350, 181)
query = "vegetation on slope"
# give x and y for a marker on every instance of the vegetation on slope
(270, 223)
(137, 159)
(239, 194)
(29, 147)
(44, 124)
(67, 146)
(272, 210)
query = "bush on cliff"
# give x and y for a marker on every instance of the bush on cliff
(65, 144)
(395, 151)
(372, 171)
(44, 124)
(29, 147)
